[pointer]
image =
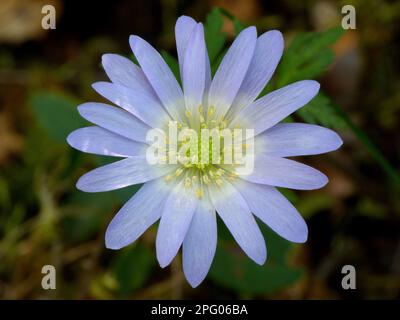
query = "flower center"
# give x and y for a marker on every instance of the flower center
(204, 148)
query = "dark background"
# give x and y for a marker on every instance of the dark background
(45, 220)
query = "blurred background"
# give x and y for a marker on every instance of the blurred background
(355, 219)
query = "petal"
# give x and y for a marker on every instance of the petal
(200, 243)
(234, 211)
(275, 106)
(231, 72)
(297, 139)
(281, 172)
(124, 72)
(174, 224)
(137, 215)
(115, 120)
(194, 69)
(274, 210)
(267, 53)
(183, 29)
(101, 141)
(121, 174)
(137, 100)
(160, 76)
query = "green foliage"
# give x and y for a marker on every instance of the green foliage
(321, 111)
(236, 271)
(308, 56)
(132, 267)
(215, 38)
(56, 113)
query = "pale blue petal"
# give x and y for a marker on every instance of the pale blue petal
(234, 211)
(194, 69)
(266, 56)
(200, 243)
(267, 111)
(183, 29)
(207, 82)
(121, 174)
(274, 210)
(297, 139)
(174, 224)
(137, 100)
(97, 140)
(114, 119)
(160, 76)
(281, 172)
(137, 215)
(231, 72)
(124, 72)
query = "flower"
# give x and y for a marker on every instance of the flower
(186, 196)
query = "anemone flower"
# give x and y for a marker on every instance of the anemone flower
(187, 196)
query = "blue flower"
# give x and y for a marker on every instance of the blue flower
(187, 196)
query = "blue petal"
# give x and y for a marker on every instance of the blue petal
(138, 214)
(274, 210)
(114, 119)
(231, 72)
(124, 72)
(121, 174)
(101, 141)
(200, 243)
(183, 29)
(275, 106)
(266, 56)
(297, 139)
(234, 211)
(160, 76)
(194, 69)
(175, 221)
(281, 172)
(137, 100)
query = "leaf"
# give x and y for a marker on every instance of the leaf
(132, 267)
(237, 272)
(321, 111)
(215, 38)
(56, 113)
(308, 56)
(173, 64)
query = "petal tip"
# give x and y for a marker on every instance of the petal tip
(261, 259)
(194, 283)
(110, 243)
(134, 41)
(70, 139)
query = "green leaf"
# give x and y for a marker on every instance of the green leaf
(132, 267)
(308, 56)
(173, 64)
(56, 113)
(215, 38)
(234, 270)
(321, 111)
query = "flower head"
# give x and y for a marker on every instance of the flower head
(197, 176)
